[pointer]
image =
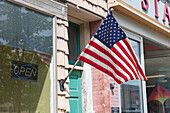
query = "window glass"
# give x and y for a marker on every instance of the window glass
(25, 37)
(74, 42)
(131, 90)
(157, 64)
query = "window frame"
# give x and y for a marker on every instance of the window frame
(142, 88)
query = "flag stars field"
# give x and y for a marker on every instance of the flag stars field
(106, 29)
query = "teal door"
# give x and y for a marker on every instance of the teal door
(75, 92)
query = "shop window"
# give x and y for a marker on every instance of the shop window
(25, 40)
(157, 68)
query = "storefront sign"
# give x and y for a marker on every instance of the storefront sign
(165, 13)
(24, 71)
(157, 9)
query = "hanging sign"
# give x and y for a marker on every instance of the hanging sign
(24, 71)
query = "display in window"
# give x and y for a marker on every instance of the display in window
(157, 63)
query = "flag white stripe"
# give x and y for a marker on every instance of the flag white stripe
(127, 59)
(126, 48)
(102, 65)
(45, 57)
(124, 45)
(108, 59)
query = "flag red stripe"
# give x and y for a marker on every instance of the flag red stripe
(93, 54)
(99, 67)
(42, 54)
(46, 63)
(44, 58)
(131, 51)
(109, 55)
(47, 60)
(129, 57)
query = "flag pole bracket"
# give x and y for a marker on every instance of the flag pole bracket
(61, 82)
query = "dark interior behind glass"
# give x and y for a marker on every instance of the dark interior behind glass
(157, 68)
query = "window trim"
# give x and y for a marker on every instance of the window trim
(47, 9)
(53, 71)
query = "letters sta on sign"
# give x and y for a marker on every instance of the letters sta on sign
(24, 71)
(145, 6)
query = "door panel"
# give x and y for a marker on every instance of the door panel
(75, 92)
(74, 105)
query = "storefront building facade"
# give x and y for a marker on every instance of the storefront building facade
(41, 40)
(147, 25)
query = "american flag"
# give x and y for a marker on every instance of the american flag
(109, 50)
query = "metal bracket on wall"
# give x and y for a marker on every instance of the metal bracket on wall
(61, 82)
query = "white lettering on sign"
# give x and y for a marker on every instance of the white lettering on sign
(27, 71)
(16, 68)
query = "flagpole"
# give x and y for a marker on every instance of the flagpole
(63, 81)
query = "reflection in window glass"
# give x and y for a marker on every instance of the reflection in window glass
(25, 29)
(25, 36)
(131, 90)
(157, 63)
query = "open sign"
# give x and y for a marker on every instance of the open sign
(24, 71)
